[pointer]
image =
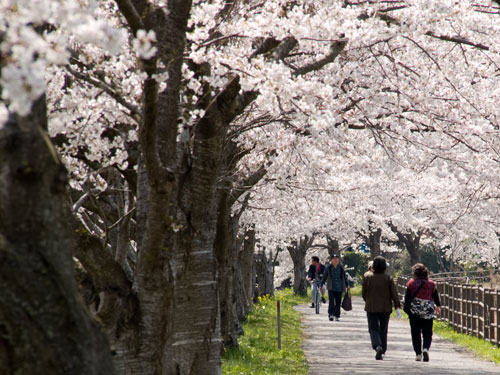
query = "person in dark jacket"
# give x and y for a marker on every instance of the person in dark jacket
(379, 293)
(337, 283)
(424, 291)
(315, 273)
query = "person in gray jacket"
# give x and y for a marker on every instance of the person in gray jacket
(337, 283)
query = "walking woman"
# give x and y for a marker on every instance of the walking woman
(422, 293)
(379, 292)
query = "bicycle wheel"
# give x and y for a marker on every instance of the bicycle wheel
(318, 300)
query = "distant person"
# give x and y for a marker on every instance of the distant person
(315, 273)
(379, 292)
(425, 304)
(370, 266)
(337, 283)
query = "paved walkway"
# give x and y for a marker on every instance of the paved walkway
(344, 348)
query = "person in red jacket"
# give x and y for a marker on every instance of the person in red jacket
(315, 273)
(424, 305)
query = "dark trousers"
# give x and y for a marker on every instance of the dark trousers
(378, 324)
(335, 298)
(420, 327)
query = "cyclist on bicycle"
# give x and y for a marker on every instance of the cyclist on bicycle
(315, 274)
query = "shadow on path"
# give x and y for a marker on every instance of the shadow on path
(344, 348)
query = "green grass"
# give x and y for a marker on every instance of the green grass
(258, 353)
(356, 290)
(479, 347)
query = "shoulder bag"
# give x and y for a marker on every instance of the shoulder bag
(407, 304)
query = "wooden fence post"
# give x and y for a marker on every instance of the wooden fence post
(455, 307)
(452, 306)
(497, 317)
(463, 310)
(480, 313)
(278, 308)
(475, 310)
(468, 309)
(486, 314)
(492, 315)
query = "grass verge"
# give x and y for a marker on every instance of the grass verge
(479, 347)
(356, 290)
(258, 353)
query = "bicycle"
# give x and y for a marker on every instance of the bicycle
(317, 299)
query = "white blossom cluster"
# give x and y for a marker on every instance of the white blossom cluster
(29, 45)
(402, 127)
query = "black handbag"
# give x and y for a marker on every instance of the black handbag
(347, 302)
(407, 305)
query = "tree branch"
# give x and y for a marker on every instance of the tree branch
(130, 13)
(247, 183)
(335, 50)
(457, 39)
(105, 272)
(134, 110)
(283, 49)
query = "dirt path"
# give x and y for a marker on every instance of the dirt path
(344, 348)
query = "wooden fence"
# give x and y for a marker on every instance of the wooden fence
(469, 309)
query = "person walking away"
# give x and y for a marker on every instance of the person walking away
(370, 266)
(379, 293)
(425, 304)
(315, 273)
(337, 283)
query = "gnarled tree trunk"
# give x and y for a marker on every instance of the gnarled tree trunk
(264, 274)
(44, 327)
(298, 252)
(226, 246)
(411, 242)
(247, 270)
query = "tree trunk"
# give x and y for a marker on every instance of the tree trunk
(412, 245)
(247, 269)
(263, 272)
(227, 266)
(298, 252)
(299, 279)
(374, 243)
(333, 246)
(226, 247)
(44, 328)
(411, 242)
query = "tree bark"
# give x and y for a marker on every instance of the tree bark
(247, 269)
(226, 248)
(298, 252)
(225, 244)
(411, 242)
(412, 245)
(45, 329)
(333, 246)
(374, 243)
(264, 275)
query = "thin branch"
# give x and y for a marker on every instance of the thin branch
(132, 210)
(457, 39)
(134, 110)
(220, 39)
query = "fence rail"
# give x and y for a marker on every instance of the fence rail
(469, 309)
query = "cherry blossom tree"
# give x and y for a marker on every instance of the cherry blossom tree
(46, 329)
(371, 119)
